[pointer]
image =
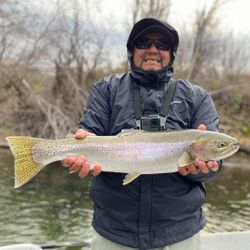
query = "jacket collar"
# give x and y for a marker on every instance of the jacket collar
(152, 79)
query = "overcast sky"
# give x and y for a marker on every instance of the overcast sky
(233, 15)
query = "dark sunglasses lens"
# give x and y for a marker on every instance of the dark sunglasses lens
(142, 45)
(161, 45)
(145, 44)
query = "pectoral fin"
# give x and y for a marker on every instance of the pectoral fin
(130, 177)
(185, 159)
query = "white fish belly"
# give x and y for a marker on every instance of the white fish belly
(145, 158)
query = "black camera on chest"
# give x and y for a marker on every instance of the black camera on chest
(151, 123)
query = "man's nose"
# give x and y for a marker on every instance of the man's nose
(153, 48)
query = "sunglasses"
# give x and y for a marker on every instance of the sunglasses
(146, 44)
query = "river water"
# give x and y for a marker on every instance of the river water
(55, 207)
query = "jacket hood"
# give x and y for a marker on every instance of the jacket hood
(152, 79)
(147, 25)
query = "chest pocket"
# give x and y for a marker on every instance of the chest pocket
(178, 115)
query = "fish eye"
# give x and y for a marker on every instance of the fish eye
(221, 144)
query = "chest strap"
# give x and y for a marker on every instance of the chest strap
(167, 99)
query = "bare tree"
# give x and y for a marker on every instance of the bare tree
(205, 23)
(149, 8)
(72, 43)
(234, 55)
(10, 27)
(77, 58)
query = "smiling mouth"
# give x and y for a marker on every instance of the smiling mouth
(152, 60)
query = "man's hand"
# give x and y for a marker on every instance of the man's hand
(81, 163)
(199, 166)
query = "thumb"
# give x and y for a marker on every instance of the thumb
(202, 127)
(81, 134)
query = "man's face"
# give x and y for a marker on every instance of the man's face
(151, 58)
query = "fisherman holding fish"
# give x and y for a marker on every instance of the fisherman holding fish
(147, 190)
(154, 211)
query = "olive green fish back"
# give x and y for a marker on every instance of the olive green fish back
(25, 167)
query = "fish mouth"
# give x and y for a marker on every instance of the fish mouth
(232, 150)
(236, 147)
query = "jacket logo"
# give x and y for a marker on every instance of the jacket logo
(178, 102)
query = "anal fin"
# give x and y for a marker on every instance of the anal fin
(130, 177)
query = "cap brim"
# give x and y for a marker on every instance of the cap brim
(155, 29)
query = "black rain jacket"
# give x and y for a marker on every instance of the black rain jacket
(154, 210)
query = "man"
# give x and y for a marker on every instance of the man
(161, 211)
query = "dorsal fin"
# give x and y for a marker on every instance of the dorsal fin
(130, 132)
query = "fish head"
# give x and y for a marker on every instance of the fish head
(214, 146)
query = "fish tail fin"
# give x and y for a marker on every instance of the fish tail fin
(25, 166)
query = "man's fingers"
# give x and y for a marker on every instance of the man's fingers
(97, 169)
(191, 168)
(199, 166)
(213, 165)
(202, 166)
(183, 171)
(68, 161)
(82, 165)
(78, 163)
(84, 171)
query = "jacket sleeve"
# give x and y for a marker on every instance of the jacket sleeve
(205, 113)
(96, 115)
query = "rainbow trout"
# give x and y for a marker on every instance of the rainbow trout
(135, 152)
